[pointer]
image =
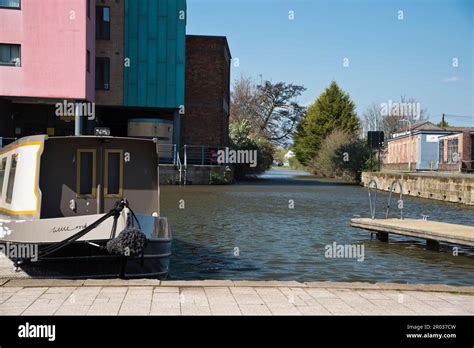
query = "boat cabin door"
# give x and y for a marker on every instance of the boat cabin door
(87, 176)
(100, 174)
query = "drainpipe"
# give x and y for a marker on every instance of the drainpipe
(78, 120)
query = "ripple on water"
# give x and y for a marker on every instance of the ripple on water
(247, 231)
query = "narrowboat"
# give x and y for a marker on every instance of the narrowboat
(89, 203)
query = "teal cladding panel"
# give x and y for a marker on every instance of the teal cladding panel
(155, 40)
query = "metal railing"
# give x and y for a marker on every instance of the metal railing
(400, 201)
(180, 170)
(203, 155)
(372, 204)
(168, 154)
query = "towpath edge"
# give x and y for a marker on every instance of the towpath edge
(225, 297)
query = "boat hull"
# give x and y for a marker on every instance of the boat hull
(89, 258)
(83, 261)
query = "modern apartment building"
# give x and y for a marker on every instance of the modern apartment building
(47, 50)
(69, 66)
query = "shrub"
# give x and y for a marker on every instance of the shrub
(216, 178)
(341, 156)
(242, 139)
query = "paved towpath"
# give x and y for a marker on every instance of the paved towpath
(154, 297)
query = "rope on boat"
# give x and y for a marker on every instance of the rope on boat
(131, 241)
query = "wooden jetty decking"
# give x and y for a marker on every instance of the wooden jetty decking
(433, 231)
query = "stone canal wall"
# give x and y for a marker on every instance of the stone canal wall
(455, 188)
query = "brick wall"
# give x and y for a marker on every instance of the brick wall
(402, 150)
(464, 152)
(206, 121)
(114, 50)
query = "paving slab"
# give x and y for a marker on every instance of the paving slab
(145, 297)
(38, 283)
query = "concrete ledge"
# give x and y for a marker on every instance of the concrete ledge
(269, 283)
(197, 283)
(342, 285)
(427, 287)
(43, 283)
(122, 282)
(154, 283)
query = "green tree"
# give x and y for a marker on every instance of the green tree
(280, 154)
(443, 123)
(334, 109)
(355, 157)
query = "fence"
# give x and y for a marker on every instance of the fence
(203, 155)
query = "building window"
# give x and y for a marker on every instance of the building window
(11, 178)
(453, 151)
(10, 4)
(102, 73)
(102, 23)
(113, 173)
(10, 55)
(441, 151)
(86, 173)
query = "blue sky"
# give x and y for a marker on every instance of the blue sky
(388, 57)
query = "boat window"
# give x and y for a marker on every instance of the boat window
(11, 178)
(3, 166)
(86, 173)
(113, 173)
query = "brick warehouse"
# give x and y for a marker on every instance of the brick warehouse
(131, 73)
(208, 62)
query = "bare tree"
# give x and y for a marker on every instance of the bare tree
(372, 118)
(388, 117)
(271, 108)
(243, 100)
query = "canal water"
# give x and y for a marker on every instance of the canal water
(278, 228)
